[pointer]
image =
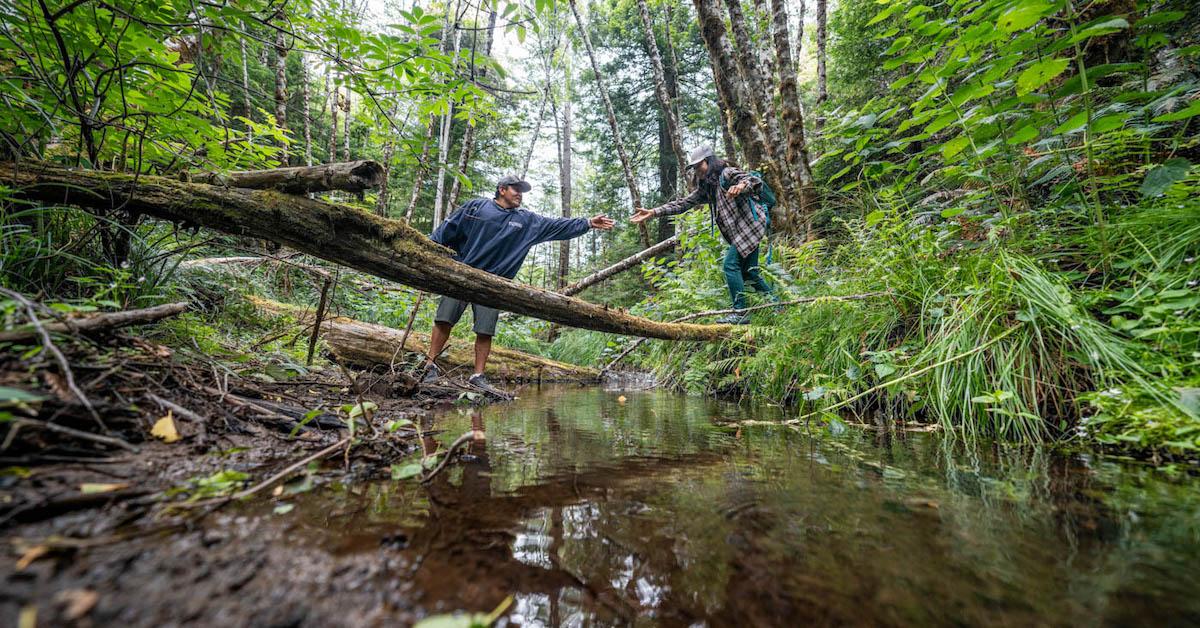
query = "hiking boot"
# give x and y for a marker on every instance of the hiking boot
(479, 381)
(432, 374)
(734, 319)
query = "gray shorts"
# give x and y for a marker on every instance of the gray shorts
(449, 310)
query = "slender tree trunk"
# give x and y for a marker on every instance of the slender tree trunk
(281, 52)
(439, 208)
(660, 85)
(468, 142)
(304, 90)
(246, 90)
(822, 94)
(325, 98)
(389, 151)
(346, 124)
(422, 169)
(335, 95)
(537, 129)
(793, 118)
(564, 180)
(635, 196)
(799, 47)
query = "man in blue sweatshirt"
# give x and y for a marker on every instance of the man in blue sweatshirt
(494, 235)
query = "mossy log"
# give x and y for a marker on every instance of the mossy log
(349, 176)
(345, 235)
(365, 344)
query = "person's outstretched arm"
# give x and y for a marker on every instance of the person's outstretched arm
(677, 206)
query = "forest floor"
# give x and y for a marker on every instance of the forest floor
(159, 533)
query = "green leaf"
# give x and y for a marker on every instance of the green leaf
(1106, 27)
(874, 217)
(1163, 177)
(1166, 17)
(1108, 123)
(1191, 110)
(403, 472)
(1024, 134)
(955, 146)
(1021, 16)
(886, 13)
(15, 395)
(283, 509)
(883, 370)
(1039, 74)
(1075, 123)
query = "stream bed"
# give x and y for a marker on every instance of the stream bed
(596, 507)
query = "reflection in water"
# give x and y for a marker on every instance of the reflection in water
(593, 512)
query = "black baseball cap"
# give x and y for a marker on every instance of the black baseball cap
(514, 180)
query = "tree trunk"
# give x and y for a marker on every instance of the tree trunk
(357, 342)
(335, 95)
(246, 90)
(753, 142)
(537, 129)
(450, 45)
(389, 151)
(468, 142)
(799, 39)
(746, 59)
(304, 90)
(661, 88)
(422, 169)
(388, 249)
(281, 52)
(564, 181)
(346, 124)
(351, 176)
(96, 322)
(822, 94)
(621, 266)
(634, 195)
(793, 118)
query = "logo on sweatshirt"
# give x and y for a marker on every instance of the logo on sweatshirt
(513, 223)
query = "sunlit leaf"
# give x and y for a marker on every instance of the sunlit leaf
(1039, 74)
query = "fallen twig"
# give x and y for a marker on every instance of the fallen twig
(290, 469)
(458, 442)
(96, 322)
(80, 434)
(58, 356)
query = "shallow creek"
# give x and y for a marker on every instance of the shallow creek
(595, 507)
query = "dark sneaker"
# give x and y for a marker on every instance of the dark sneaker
(432, 374)
(734, 319)
(480, 382)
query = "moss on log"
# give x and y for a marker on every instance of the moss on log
(345, 235)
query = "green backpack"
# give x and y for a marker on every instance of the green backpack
(765, 198)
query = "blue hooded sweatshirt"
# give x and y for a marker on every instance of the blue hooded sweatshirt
(491, 238)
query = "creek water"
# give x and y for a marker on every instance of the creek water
(592, 510)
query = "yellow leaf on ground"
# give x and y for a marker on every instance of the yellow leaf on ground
(31, 555)
(164, 428)
(28, 617)
(88, 488)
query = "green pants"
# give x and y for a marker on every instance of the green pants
(740, 271)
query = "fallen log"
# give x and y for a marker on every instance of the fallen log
(362, 343)
(621, 266)
(345, 235)
(349, 176)
(97, 322)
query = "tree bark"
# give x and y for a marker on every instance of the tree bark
(389, 151)
(346, 124)
(564, 180)
(304, 90)
(746, 59)
(660, 85)
(246, 90)
(537, 129)
(350, 176)
(793, 118)
(634, 195)
(468, 142)
(422, 169)
(335, 95)
(450, 46)
(731, 91)
(621, 266)
(97, 322)
(345, 235)
(822, 94)
(281, 52)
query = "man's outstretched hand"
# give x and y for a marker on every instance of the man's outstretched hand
(640, 215)
(601, 221)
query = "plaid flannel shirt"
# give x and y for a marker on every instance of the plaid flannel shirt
(733, 215)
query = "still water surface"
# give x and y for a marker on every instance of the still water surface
(592, 511)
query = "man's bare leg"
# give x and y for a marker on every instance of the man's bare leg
(437, 340)
(483, 348)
